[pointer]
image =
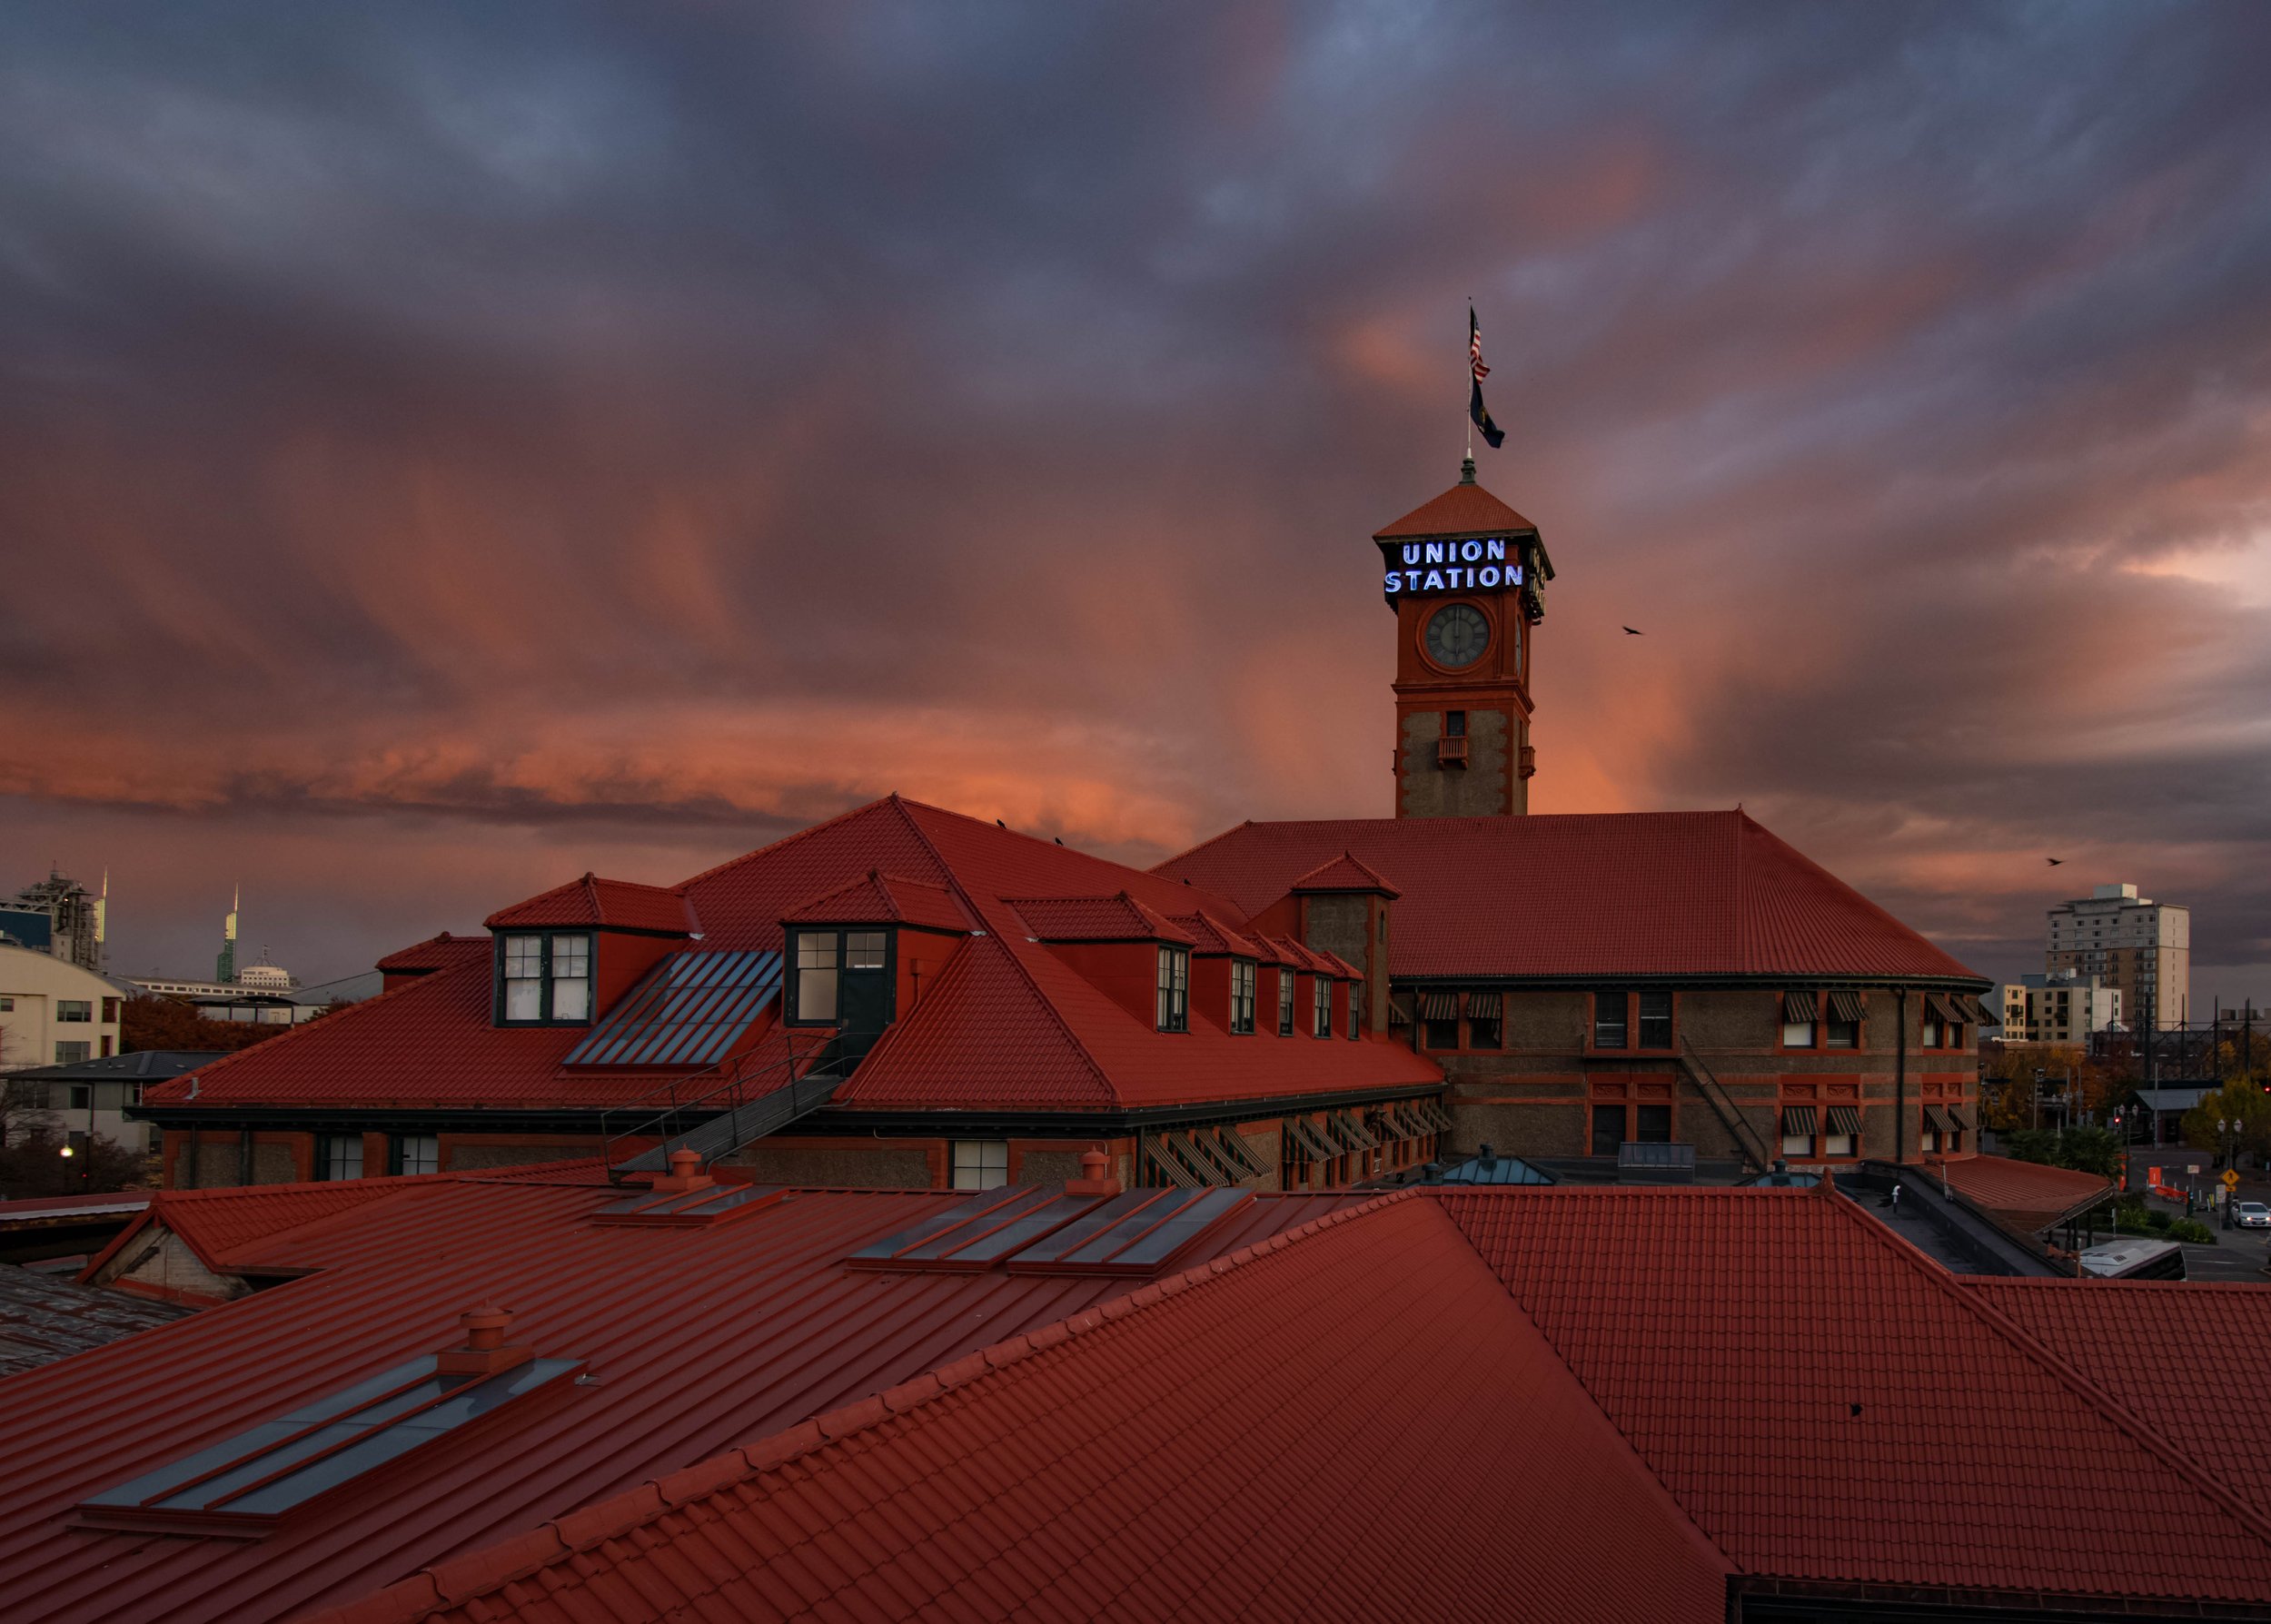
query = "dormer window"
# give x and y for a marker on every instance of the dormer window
(843, 979)
(1322, 1025)
(1355, 1012)
(1174, 989)
(1242, 979)
(1285, 1001)
(544, 978)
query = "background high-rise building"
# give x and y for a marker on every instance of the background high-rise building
(2139, 947)
(57, 916)
(2064, 1006)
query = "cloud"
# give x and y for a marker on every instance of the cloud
(442, 444)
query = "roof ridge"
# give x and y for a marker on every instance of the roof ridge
(1212, 839)
(790, 838)
(446, 1582)
(1946, 1282)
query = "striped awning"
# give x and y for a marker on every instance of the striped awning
(1848, 1006)
(1845, 1119)
(1173, 1168)
(1938, 1006)
(1799, 1120)
(1312, 1144)
(1409, 1121)
(1236, 1151)
(1199, 1152)
(1484, 1006)
(1960, 1115)
(1937, 1119)
(1439, 1007)
(1800, 1008)
(1433, 1114)
(1399, 1009)
(1350, 1132)
(1970, 1009)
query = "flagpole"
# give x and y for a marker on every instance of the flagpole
(1470, 415)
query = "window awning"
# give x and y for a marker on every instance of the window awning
(1845, 1119)
(1433, 1114)
(1309, 1141)
(1204, 1157)
(1409, 1121)
(1848, 1006)
(1483, 1006)
(1960, 1115)
(1799, 1120)
(1800, 1008)
(1173, 1167)
(1970, 1009)
(1940, 1009)
(1439, 1007)
(1937, 1119)
(1399, 1009)
(1236, 1151)
(1350, 1132)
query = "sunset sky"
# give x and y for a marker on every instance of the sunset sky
(446, 447)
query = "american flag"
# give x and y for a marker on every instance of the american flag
(1474, 346)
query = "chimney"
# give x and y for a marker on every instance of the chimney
(685, 1173)
(485, 1352)
(1096, 1176)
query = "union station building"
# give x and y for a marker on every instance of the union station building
(904, 996)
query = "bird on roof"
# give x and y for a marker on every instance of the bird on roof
(999, 825)
(1630, 633)
(2054, 862)
(1059, 839)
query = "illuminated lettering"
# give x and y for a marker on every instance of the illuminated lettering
(1469, 551)
(1489, 575)
(1497, 549)
(1435, 553)
(1465, 568)
(1395, 582)
(1411, 552)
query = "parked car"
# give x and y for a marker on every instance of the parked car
(2252, 1215)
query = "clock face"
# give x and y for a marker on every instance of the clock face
(1457, 635)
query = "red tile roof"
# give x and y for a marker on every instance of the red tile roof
(1119, 918)
(680, 1372)
(2025, 1195)
(620, 905)
(1191, 1452)
(431, 1042)
(1828, 1404)
(1210, 935)
(1343, 873)
(1584, 895)
(216, 1224)
(1463, 510)
(444, 952)
(879, 898)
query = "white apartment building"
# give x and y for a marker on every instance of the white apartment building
(2134, 946)
(53, 1012)
(2062, 1008)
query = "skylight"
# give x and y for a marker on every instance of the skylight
(1040, 1229)
(244, 1485)
(690, 1010)
(686, 1209)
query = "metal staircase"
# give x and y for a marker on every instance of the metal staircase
(1746, 1138)
(742, 1107)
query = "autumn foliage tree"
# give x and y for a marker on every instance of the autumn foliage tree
(149, 1022)
(2240, 1100)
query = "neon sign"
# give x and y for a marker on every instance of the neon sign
(1478, 565)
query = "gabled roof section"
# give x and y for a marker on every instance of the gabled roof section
(1343, 873)
(1115, 918)
(2023, 1195)
(216, 1224)
(1149, 1426)
(606, 904)
(1738, 1339)
(983, 1038)
(1463, 510)
(1209, 934)
(443, 952)
(880, 898)
(1578, 896)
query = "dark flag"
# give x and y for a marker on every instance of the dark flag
(1492, 433)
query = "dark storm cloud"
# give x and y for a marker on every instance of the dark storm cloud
(532, 418)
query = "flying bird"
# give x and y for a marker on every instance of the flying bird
(1630, 633)
(2054, 862)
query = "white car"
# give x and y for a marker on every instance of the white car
(2252, 1215)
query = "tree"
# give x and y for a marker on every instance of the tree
(33, 1163)
(2239, 1100)
(149, 1022)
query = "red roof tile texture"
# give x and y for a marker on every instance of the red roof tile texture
(1462, 510)
(1210, 935)
(1343, 873)
(1119, 918)
(620, 905)
(444, 952)
(1828, 1404)
(1270, 1436)
(2025, 1194)
(1584, 895)
(681, 1371)
(879, 898)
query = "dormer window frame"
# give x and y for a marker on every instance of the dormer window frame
(1172, 1007)
(1244, 984)
(553, 949)
(842, 947)
(1285, 1000)
(1320, 1006)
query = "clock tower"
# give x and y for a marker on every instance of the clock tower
(1466, 575)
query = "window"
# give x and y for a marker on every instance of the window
(1929, 1036)
(1174, 1004)
(1842, 1030)
(817, 956)
(865, 949)
(1242, 978)
(1355, 1012)
(73, 1009)
(110, 1012)
(82, 1096)
(1651, 1124)
(1798, 1131)
(1454, 724)
(1798, 1012)
(981, 1163)
(1285, 1001)
(1836, 1144)
(106, 1047)
(1655, 1020)
(545, 978)
(1954, 1035)
(1607, 1130)
(72, 1053)
(1439, 1015)
(1484, 1032)
(7, 1006)
(1609, 1020)
(1931, 1139)
(341, 1156)
(1322, 1025)
(415, 1152)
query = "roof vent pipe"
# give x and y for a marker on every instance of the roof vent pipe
(1096, 1176)
(485, 1352)
(686, 1173)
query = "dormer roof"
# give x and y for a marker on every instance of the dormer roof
(1115, 918)
(608, 903)
(1462, 510)
(443, 952)
(880, 898)
(1211, 935)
